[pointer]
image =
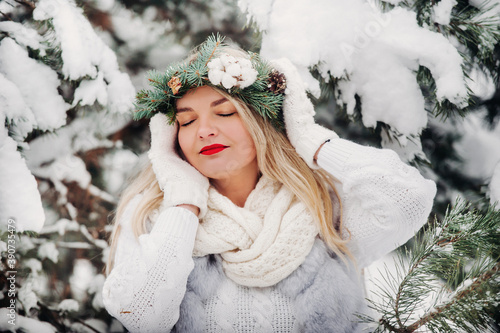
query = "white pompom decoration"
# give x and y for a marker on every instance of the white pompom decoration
(215, 64)
(231, 72)
(228, 81)
(234, 70)
(215, 76)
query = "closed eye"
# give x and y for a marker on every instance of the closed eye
(186, 124)
(226, 114)
(220, 114)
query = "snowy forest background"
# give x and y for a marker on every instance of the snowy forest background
(419, 77)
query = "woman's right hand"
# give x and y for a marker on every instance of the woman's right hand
(181, 183)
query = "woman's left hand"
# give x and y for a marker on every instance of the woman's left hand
(304, 134)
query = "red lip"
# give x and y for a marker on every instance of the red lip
(212, 149)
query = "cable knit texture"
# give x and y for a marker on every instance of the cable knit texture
(262, 242)
(376, 186)
(135, 289)
(321, 295)
(304, 134)
(180, 182)
(157, 285)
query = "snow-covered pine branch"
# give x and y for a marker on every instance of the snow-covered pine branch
(30, 98)
(374, 50)
(449, 281)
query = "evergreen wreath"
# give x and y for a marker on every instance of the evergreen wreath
(251, 79)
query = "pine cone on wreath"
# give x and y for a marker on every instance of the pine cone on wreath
(276, 82)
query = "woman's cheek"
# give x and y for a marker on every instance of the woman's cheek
(183, 144)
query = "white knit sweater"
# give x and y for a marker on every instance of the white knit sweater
(384, 203)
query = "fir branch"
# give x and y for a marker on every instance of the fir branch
(5, 15)
(218, 40)
(85, 324)
(443, 108)
(477, 284)
(478, 30)
(464, 237)
(403, 284)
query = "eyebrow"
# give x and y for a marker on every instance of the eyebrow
(213, 104)
(218, 102)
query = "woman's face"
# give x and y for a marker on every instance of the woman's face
(212, 136)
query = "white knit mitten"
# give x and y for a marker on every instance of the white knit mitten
(304, 134)
(180, 182)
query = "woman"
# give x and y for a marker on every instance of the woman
(251, 217)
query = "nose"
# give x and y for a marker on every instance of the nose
(206, 128)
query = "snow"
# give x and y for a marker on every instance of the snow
(27, 296)
(258, 11)
(33, 264)
(37, 83)
(23, 35)
(68, 305)
(393, 2)
(24, 245)
(494, 186)
(481, 84)
(6, 7)
(442, 11)
(19, 116)
(67, 168)
(74, 33)
(375, 54)
(81, 133)
(478, 146)
(25, 324)
(19, 196)
(494, 4)
(103, 5)
(81, 278)
(116, 167)
(95, 288)
(121, 93)
(48, 250)
(90, 91)
(412, 147)
(84, 54)
(59, 163)
(61, 226)
(139, 32)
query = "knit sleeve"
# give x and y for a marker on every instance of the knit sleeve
(384, 201)
(147, 284)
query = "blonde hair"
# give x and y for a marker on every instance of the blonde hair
(145, 182)
(276, 158)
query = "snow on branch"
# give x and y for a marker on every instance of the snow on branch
(46, 71)
(85, 55)
(21, 193)
(449, 281)
(374, 54)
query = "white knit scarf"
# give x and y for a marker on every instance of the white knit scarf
(264, 241)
